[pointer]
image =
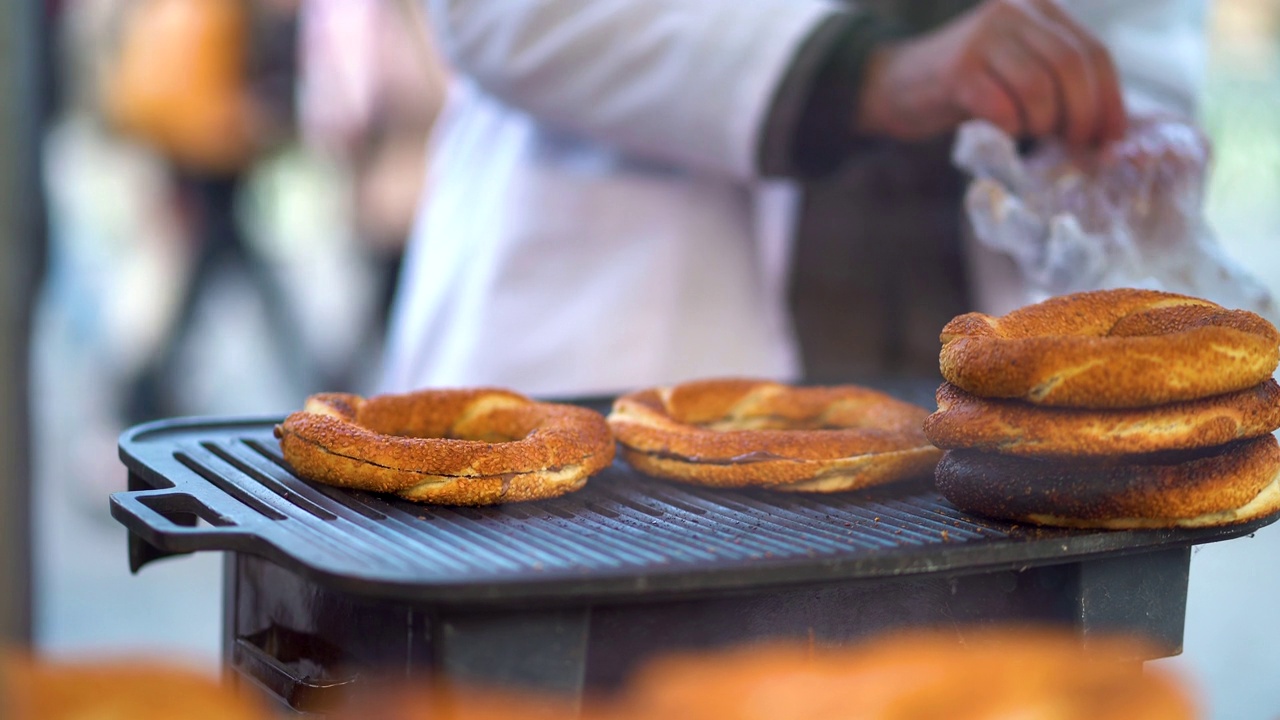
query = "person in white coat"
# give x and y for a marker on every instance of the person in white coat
(635, 192)
(613, 198)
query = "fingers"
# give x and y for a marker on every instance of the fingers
(1030, 83)
(1064, 58)
(1025, 65)
(984, 95)
(1104, 80)
(1059, 78)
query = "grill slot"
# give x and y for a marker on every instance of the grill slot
(634, 504)
(600, 509)
(514, 511)
(561, 512)
(356, 538)
(229, 488)
(269, 482)
(811, 531)
(183, 511)
(648, 528)
(342, 497)
(607, 536)
(783, 537)
(301, 526)
(872, 527)
(548, 544)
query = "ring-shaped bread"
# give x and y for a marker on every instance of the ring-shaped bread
(1012, 427)
(739, 432)
(1110, 349)
(958, 671)
(450, 446)
(1220, 486)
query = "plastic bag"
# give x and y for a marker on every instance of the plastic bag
(1128, 215)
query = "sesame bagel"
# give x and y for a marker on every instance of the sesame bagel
(736, 433)
(451, 447)
(1011, 427)
(1110, 349)
(1220, 486)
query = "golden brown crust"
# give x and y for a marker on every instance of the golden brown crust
(1110, 349)
(962, 673)
(837, 475)
(1219, 486)
(738, 432)
(1011, 427)
(453, 447)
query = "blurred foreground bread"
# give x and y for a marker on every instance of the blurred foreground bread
(738, 433)
(984, 674)
(973, 674)
(1111, 409)
(121, 689)
(441, 701)
(452, 447)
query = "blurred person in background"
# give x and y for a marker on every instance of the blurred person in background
(637, 192)
(209, 85)
(371, 85)
(178, 188)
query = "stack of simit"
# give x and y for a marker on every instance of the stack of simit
(1111, 409)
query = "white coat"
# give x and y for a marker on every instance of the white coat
(595, 218)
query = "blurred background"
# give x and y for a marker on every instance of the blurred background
(227, 192)
(228, 187)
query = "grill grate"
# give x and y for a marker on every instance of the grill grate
(623, 535)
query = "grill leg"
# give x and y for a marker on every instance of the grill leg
(537, 649)
(1144, 593)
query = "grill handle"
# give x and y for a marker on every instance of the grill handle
(298, 668)
(163, 523)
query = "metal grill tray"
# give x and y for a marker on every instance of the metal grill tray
(623, 536)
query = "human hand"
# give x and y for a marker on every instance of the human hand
(1023, 65)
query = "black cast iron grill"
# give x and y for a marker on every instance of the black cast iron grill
(623, 534)
(624, 568)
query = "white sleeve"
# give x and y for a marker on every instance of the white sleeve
(1159, 47)
(684, 81)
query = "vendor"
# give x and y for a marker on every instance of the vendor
(637, 192)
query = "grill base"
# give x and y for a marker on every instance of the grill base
(313, 649)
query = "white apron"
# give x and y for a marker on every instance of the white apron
(595, 219)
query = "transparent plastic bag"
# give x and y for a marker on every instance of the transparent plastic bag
(1128, 215)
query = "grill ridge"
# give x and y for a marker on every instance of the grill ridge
(610, 527)
(750, 531)
(768, 540)
(709, 544)
(784, 518)
(657, 526)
